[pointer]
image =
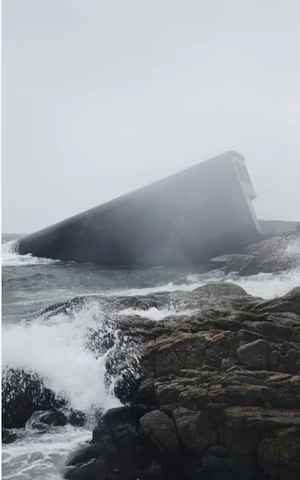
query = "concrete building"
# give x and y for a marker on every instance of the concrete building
(186, 218)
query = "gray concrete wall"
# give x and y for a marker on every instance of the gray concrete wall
(188, 217)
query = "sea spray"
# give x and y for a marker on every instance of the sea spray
(59, 346)
(11, 257)
(56, 350)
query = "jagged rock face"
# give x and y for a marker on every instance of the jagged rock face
(219, 399)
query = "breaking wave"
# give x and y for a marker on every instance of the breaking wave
(11, 257)
(57, 346)
(57, 350)
(264, 285)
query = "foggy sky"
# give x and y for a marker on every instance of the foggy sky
(103, 96)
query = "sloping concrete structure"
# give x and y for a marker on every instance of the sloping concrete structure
(186, 218)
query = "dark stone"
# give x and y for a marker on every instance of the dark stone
(8, 436)
(100, 431)
(124, 450)
(127, 438)
(54, 418)
(289, 303)
(94, 470)
(255, 355)
(127, 385)
(104, 448)
(195, 429)
(23, 393)
(65, 308)
(152, 472)
(77, 418)
(160, 430)
(240, 263)
(127, 414)
(219, 290)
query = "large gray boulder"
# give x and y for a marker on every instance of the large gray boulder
(160, 430)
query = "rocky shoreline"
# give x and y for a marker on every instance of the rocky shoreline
(213, 395)
(219, 397)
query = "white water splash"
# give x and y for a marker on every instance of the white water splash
(264, 285)
(269, 285)
(41, 457)
(11, 257)
(168, 288)
(56, 350)
(155, 313)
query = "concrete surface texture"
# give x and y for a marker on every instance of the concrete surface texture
(186, 218)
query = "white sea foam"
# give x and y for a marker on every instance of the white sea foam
(38, 457)
(269, 285)
(264, 285)
(168, 287)
(11, 257)
(56, 350)
(155, 313)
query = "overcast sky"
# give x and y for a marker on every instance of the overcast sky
(103, 96)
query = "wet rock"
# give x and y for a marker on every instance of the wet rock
(41, 420)
(23, 393)
(219, 396)
(104, 448)
(101, 341)
(279, 454)
(272, 255)
(100, 432)
(216, 468)
(93, 470)
(289, 303)
(195, 429)
(246, 432)
(160, 430)
(242, 264)
(9, 436)
(66, 308)
(118, 451)
(128, 381)
(152, 472)
(221, 290)
(254, 355)
(129, 414)
(77, 418)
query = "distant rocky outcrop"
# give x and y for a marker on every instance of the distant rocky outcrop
(272, 255)
(218, 396)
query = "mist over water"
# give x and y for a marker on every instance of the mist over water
(56, 346)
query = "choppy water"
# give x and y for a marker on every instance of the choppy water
(56, 347)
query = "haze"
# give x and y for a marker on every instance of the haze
(101, 97)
